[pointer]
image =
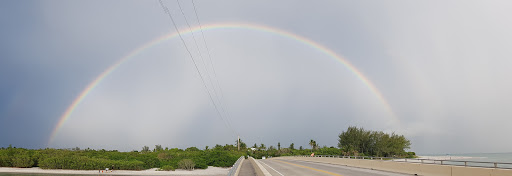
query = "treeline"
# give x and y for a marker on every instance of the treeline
(353, 142)
(358, 141)
(88, 159)
(292, 151)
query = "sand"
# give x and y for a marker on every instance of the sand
(198, 172)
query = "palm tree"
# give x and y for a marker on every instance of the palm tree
(313, 144)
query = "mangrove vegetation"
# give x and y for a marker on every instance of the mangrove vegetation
(352, 142)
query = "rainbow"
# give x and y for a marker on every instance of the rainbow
(260, 28)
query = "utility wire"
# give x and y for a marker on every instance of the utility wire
(227, 115)
(215, 94)
(166, 10)
(221, 92)
(206, 45)
(197, 46)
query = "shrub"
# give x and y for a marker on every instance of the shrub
(411, 155)
(224, 158)
(192, 149)
(5, 161)
(200, 163)
(22, 161)
(186, 164)
(167, 168)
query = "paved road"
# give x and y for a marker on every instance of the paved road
(247, 168)
(284, 167)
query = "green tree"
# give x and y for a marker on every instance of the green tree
(278, 145)
(243, 145)
(355, 141)
(158, 148)
(90, 159)
(186, 164)
(292, 146)
(22, 159)
(262, 147)
(192, 149)
(312, 143)
(145, 149)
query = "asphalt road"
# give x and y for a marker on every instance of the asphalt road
(284, 167)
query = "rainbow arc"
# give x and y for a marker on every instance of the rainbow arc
(220, 26)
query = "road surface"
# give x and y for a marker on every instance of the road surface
(285, 167)
(247, 169)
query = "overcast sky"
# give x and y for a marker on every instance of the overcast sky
(444, 67)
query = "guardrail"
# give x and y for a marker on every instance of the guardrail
(232, 171)
(501, 165)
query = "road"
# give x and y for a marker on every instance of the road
(247, 168)
(284, 167)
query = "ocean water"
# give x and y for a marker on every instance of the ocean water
(503, 160)
(490, 157)
(484, 157)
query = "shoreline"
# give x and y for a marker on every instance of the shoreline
(446, 157)
(434, 159)
(198, 172)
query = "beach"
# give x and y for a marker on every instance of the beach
(217, 171)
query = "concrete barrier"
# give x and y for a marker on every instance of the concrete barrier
(409, 168)
(234, 171)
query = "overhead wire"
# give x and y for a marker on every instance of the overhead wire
(197, 46)
(221, 92)
(166, 10)
(216, 95)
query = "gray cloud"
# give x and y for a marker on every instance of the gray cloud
(442, 66)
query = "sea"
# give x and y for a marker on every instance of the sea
(500, 160)
(483, 157)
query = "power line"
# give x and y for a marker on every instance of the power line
(206, 45)
(166, 10)
(197, 46)
(221, 92)
(204, 63)
(219, 100)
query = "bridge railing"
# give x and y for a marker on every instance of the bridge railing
(466, 163)
(232, 171)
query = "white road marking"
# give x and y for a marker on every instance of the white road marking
(272, 168)
(265, 172)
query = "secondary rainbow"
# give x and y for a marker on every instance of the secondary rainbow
(260, 28)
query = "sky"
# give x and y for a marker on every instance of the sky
(440, 71)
